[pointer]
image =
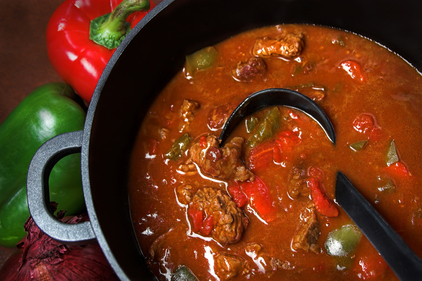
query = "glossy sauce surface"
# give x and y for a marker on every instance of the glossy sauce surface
(354, 80)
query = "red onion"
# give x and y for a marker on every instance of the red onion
(41, 258)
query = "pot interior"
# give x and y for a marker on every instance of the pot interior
(155, 50)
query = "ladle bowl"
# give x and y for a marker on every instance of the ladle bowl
(273, 97)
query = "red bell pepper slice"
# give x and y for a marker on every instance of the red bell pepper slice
(398, 169)
(354, 70)
(286, 140)
(259, 195)
(278, 155)
(261, 156)
(371, 265)
(316, 172)
(322, 203)
(76, 58)
(200, 223)
(207, 226)
(366, 124)
(197, 217)
(238, 196)
(203, 142)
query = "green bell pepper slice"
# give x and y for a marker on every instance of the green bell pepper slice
(266, 128)
(178, 147)
(48, 111)
(343, 241)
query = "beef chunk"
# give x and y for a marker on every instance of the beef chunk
(188, 169)
(246, 71)
(229, 222)
(229, 266)
(307, 232)
(217, 117)
(161, 249)
(297, 183)
(288, 46)
(184, 193)
(223, 163)
(279, 264)
(187, 111)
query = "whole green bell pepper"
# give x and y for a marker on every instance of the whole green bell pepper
(48, 111)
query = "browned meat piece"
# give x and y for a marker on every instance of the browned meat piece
(188, 109)
(223, 163)
(253, 249)
(187, 112)
(189, 169)
(163, 242)
(218, 116)
(246, 71)
(229, 222)
(307, 232)
(229, 266)
(279, 264)
(297, 183)
(287, 46)
(184, 193)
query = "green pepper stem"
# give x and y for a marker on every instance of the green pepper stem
(109, 30)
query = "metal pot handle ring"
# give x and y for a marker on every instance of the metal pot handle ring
(37, 190)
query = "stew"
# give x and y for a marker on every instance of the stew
(262, 205)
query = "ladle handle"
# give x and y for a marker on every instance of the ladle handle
(399, 256)
(38, 192)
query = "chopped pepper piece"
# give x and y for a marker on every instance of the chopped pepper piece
(183, 273)
(200, 60)
(250, 124)
(358, 145)
(343, 241)
(178, 147)
(266, 127)
(238, 196)
(353, 69)
(260, 198)
(392, 155)
(322, 203)
(388, 186)
(261, 156)
(398, 169)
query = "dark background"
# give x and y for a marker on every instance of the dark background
(24, 63)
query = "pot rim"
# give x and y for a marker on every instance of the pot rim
(86, 183)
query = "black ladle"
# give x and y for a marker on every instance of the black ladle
(401, 259)
(273, 97)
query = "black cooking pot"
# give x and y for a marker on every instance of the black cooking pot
(145, 61)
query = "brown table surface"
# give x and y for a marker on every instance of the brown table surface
(24, 63)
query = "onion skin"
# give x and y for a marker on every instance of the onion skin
(39, 257)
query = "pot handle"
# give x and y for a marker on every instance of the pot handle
(38, 194)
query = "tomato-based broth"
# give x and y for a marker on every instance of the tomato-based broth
(262, 205)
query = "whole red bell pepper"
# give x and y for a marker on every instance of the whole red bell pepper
(82, 35)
